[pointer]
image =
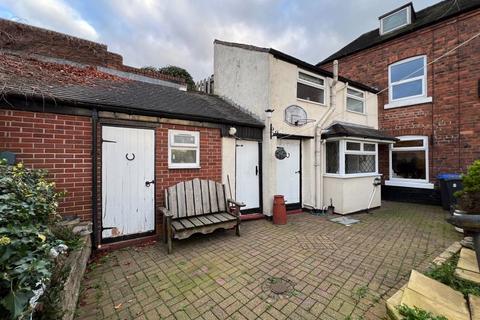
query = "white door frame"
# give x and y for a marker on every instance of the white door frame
(258, 209)
(135, 235)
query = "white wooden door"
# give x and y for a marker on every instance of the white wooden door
(128, 161)
(288, 171)
(247, 183)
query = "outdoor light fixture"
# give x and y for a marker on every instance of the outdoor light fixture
(232, 131)
(269, 113)
(269, 116)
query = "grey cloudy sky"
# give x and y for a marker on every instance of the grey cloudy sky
(159, 33)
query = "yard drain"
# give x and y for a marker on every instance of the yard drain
(278, 288)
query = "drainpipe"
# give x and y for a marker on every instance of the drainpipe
(94, 178)
(318, 140)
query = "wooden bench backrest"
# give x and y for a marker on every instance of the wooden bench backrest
(196, 197)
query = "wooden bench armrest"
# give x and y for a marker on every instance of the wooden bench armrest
(166, 212)
(238, 204)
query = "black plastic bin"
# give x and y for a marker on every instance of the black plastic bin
(449, 184)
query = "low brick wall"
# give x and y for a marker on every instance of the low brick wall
(77, 262)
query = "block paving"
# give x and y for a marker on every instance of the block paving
(338, 272)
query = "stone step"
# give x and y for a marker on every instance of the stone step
(467, 267)
(430, 295)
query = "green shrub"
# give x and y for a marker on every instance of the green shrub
(417, 314)
(65, 233)
(469, 196)
(445, 273)
(28, 204)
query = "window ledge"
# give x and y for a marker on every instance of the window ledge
(352, 175)
(356, 112)
(183, 167)
(408, 102)
(312, 102)
(409, 184)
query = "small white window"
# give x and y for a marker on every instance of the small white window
(355, 100)
(310, 88)
(407, 79)
(395, 20)
(183, 149)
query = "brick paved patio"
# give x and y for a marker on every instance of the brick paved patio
(338, 272)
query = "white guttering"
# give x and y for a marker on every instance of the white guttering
(318, 139)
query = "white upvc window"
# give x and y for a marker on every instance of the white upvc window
(396, 20)
(351, 158)
(355, 100)
(409, 162)
(407, 82)
(310, 87)
(183, 149)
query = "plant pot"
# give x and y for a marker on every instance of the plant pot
(459, 213)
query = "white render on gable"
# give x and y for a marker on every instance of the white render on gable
(256, 80)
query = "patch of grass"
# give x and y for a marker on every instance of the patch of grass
(360, 293)
(417, 314)
(445, 273)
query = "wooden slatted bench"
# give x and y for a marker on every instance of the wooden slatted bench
(198, 206)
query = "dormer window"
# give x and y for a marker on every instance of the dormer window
(396, 19)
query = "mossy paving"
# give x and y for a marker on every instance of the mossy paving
(210, 277)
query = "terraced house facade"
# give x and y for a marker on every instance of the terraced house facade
(426, 66)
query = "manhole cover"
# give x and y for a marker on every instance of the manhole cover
(278, 288)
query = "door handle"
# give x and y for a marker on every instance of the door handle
(298, 171)
(148, 183)
(256, 170)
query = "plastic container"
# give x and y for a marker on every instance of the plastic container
(449, 184)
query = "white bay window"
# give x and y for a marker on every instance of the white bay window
(351, 158)
(183, 149)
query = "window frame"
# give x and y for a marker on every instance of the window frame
(311, 84)
(183, 146)
(409, 20)
(363, 100)
(423, 78)
(406, 182)
(341, 157)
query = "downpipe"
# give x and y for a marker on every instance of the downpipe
(318, 140)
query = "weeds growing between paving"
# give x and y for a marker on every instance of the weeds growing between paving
(445, 273)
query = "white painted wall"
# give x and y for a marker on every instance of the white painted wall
(228, 164)
(257, 81)
(242, 76)
(351, 194)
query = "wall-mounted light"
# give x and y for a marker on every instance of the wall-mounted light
(269, 116)
(269, 113)
(232, 131)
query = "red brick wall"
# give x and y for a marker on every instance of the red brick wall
(59, 143)
(452, 121)
(210, 159)
(25, 39)
(62, 145)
